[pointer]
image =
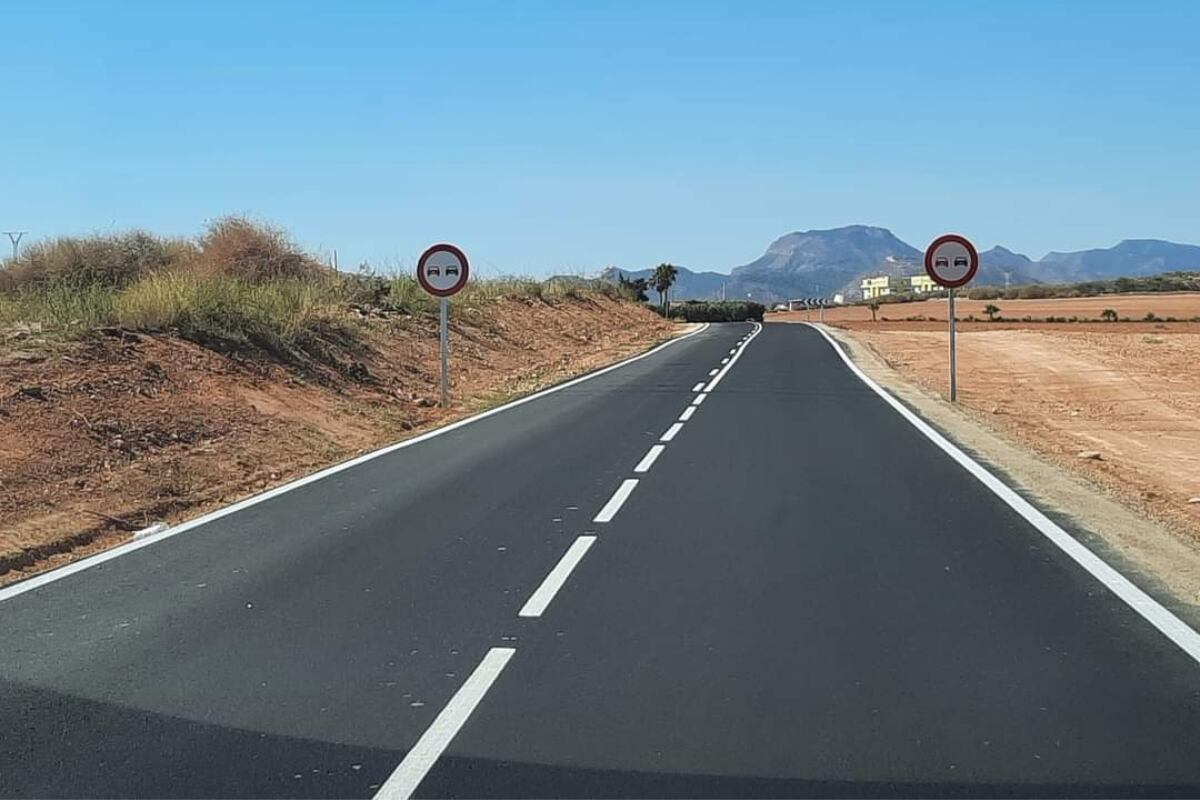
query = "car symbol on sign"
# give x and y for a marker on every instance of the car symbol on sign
(433, 271)
(960, 261)
(452, 270)
(941, 261)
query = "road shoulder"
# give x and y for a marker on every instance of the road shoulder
(1151, 554)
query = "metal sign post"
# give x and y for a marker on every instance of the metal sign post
(442, 271)
(953, 353)
(444, 349)
(951, 261)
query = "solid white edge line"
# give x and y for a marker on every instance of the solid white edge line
(616, 501)
(1150, 609)
(536, 605)
(699, 399)
(717, 378)
(405, 779)
(698, 386)
(648, 460)
(687, 413)
(37, 581)
(671, 431)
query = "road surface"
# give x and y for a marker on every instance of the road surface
(729, 568)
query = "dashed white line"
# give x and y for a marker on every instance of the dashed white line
(734, 350)
(725, 360)
(401, 784)
(699, 399)
(687, 413)
(717, 379)
(616, 501)
(712, 372)
(648, 459)
(540, 599)
(698, 386)
(671, 431)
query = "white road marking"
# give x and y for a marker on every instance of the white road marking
(712, 372)
(648, 460)
(403, 782)
(540, 599)
(699, 399)
(671, 431)
(717, 379)
(1151, 610)
(616, 501)
(687, 413)
(698, 386)
(734, 350)
(116, 552)
(725, 360)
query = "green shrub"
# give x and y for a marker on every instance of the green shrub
(62, 305)
(717, 311)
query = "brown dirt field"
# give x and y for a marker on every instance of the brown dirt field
(1134, 397)
(109, 434)
(1182, 306)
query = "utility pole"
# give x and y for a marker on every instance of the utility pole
(15, 238)
(1007, 277)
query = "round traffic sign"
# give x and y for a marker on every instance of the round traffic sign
(951, 260)
(442, 270)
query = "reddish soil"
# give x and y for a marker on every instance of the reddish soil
(107, 435)
(1183, 306)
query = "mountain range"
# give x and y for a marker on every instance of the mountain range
(821, 263)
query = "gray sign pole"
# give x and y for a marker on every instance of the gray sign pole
(444, 347)
(953, 366)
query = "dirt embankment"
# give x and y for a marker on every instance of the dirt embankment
(110, 434)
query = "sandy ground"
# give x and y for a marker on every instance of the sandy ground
(1133, 398)
(1182, 306)
(104, 436)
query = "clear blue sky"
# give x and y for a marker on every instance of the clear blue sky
(548, 136)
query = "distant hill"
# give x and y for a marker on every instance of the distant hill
(998, 265)
(821, 263)
(1129, 258)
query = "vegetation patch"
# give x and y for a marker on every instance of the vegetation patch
(242, 287)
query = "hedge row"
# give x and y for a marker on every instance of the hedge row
(717, 311)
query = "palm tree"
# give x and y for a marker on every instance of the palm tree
(664, 276)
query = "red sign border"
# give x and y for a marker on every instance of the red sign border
(443, 247)
(938, 242)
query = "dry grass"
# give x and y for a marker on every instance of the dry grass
(241, 286)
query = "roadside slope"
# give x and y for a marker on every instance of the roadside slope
(120, 430)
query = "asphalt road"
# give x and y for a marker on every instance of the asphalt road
(800, 595)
